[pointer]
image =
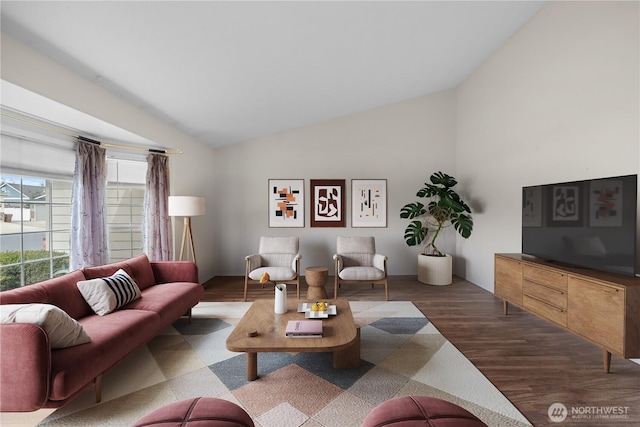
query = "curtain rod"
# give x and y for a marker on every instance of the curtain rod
(93, 141)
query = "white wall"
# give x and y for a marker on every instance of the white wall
(559, 102)
(403, 143)
(191, 172)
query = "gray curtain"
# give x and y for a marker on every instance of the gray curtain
(89, 240)
(157, 235)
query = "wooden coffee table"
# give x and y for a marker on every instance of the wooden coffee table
(340, 335)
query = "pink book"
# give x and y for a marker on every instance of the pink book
(304, 329)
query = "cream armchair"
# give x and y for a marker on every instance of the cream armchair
(356, 261)
(278, 256)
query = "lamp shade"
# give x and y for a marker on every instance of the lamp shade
(186, 206)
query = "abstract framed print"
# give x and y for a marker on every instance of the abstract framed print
(286, 203)
(566, 205)
(605, 203)
(328, 203)
(532, 206)
(368, 202)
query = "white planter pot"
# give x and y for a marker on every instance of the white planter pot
(435, 270)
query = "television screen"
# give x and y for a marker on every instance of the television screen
(590, 224)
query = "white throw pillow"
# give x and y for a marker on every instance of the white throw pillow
(63, 330)
(108, 294)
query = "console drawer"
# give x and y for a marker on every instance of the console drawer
(551, 278)
(550, 312)
(550, 295)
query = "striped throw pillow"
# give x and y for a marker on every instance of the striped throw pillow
(108, 294)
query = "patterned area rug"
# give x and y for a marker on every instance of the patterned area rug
(402, 354)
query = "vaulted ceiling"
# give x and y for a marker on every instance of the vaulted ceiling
(229, 71)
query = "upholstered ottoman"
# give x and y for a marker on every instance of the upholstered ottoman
(200, 412)
(420, 411)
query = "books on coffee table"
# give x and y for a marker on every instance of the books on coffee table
(304, 329)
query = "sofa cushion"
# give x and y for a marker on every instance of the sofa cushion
(113, 338)
(174, 271)
(107, 294)
(62, 330)
(60, 291)
(169, 301)
(104, 270)
(139, 268)
(141, 271)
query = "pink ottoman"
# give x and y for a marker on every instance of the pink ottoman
(420, 411)
(198, 412)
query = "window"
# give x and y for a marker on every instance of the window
(37, 164)
(124, 220)
(35, 222)
(125, 204)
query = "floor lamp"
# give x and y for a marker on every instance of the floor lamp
(186, 206)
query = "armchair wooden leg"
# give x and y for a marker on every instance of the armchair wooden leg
(246, 283)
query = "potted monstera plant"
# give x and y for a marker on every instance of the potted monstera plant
(442, 208)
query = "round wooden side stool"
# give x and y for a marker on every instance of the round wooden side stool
(316, 278)
(420, 411)
(201, 411)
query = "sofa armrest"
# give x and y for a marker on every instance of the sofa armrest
(174, 271)
(25, 371)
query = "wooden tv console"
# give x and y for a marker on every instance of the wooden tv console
(600, 307)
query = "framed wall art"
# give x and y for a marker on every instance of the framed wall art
(532, 207)
(605, 203)
(328, 203)
(286, 203)
(566, 206)
(368, 202)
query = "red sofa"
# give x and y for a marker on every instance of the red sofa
(33, 376)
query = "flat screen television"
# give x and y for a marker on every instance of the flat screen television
(586, 224)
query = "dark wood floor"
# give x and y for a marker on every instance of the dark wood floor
(533, 363)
